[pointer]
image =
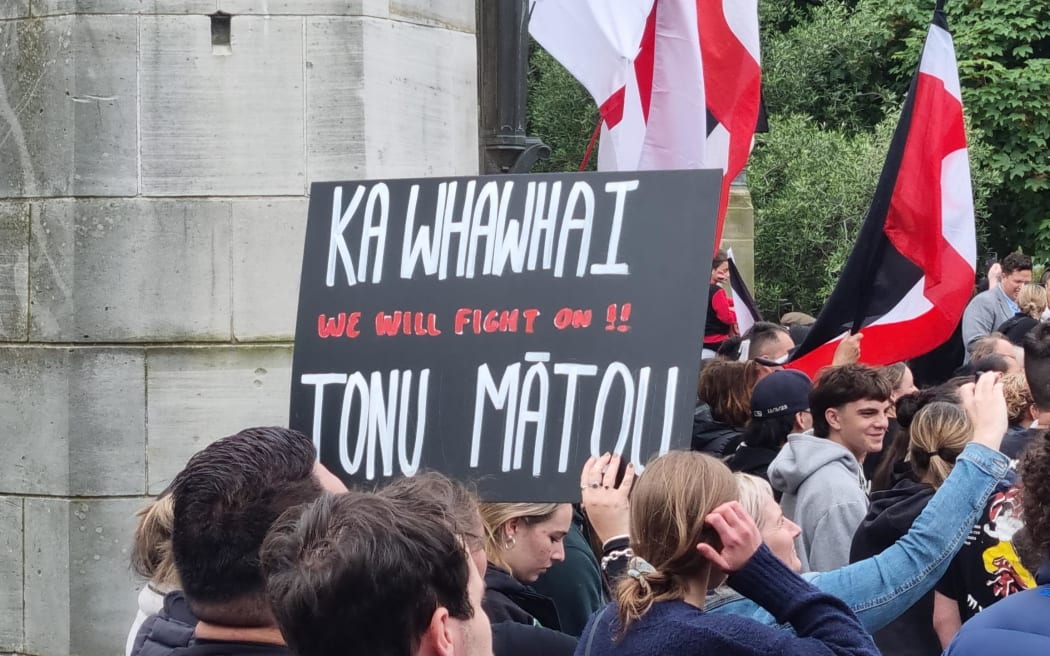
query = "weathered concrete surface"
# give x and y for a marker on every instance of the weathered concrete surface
(11, 558)
(222, 125)
(14, 9)
(197, 395)
(74, 421)
(56, 7)
(79, 590)
(134, 270)
(451, 14)
(348, 84)
(36, 117)
(68, 105)
(14, 270)
(268, 238)
(105, 106)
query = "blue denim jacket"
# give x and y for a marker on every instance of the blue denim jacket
(880, 588)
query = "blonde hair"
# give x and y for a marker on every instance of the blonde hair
(1018, 398)
(496, 516)
(938, 433)
(151, 555)
(668, 506)
(1032, 300)
(754, 492)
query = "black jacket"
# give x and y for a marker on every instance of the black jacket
(752, 460)
(712, 437)
(513, 639)
(890, 516)
(508, 600)
(170, 633)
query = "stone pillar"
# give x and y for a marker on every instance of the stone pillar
(739, 232)
(153, 192)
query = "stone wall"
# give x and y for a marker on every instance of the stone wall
(153, 195)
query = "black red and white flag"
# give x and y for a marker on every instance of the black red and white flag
(747, 313)
(911, 272)
(677, 82)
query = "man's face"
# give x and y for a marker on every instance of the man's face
(1004, 348)
(860, 426)
(720, 274)
(473, 637)
(774, 352)
(1012, 282)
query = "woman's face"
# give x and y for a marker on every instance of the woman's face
(720, 274)
(779, 533)
(536, 546)
(906, 386)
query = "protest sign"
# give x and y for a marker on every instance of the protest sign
(501, 329)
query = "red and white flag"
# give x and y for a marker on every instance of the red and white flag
(677, 82)
(911, 272)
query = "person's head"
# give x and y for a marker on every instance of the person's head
(526, 538)
(729, 349)
(779, 407)
(726, 387)
(995, 362)
(778, 532)
(151, 556)
(769, 344)
(1017, 271)
(994, 344)
(359, 572)
(790, 319)
(849, 405)
(1035, 485)
(901, 380)
(669, 504)
(1032, 300)
(1020, 407)
(719, 268)
(225, 500)
(450, 500)
(1037, 365)
(906, 408)
(938, 434)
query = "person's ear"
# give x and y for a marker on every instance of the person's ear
(510, 529)
(831, 415)
(438, 637)
(800, 422)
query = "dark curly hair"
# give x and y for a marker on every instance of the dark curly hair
(1035, 481)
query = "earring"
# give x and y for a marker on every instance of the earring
(509, 542)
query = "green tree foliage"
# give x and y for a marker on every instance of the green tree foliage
(1003, 47)
(561, 112)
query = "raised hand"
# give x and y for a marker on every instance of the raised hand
(740, 537)
(606, 504)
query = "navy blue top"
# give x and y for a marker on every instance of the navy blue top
(824, 624)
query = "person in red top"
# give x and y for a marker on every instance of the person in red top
(721, 318)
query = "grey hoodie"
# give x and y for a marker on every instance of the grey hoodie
(825, 494)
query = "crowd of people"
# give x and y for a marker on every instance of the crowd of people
(852, 514)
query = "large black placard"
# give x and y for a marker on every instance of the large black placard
(501, 329)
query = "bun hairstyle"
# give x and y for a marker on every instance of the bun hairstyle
(668, 506)
(939, 433)
(1032, 300)
(151, 555)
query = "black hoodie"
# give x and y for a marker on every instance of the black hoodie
(890, 516)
